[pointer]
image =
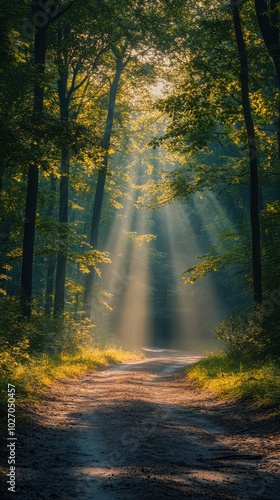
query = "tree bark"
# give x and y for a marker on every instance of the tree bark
(99, 194)
(59, 299)
(33, 175)
(51, 262)
(268, 16)
(253, 156)
(65, 97)
(63, 219)
(42, 10)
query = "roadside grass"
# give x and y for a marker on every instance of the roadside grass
(34, 375)
(255, 381)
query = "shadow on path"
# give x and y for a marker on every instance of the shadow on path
(140, 431)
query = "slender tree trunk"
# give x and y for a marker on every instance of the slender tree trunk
(268, 16)
(50, 284)
(44, 13)
(51, 262)
(59, 298)
(33, 176)
(77, 295)
(63, 219)
(252, 148)
(99, 194)
(5, 229)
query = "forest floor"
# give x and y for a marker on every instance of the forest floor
(143, 431)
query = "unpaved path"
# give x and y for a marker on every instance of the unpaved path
(141, 431)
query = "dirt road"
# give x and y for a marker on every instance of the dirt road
(141, 431)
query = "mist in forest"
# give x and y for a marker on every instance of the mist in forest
(142, 296)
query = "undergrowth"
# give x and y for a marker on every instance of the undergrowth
(249, 367)
(33, 374)
(234, 378)
(36, 354)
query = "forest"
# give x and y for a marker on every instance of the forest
(139, 178)
(140, 215)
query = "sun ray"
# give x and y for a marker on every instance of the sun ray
(134, 323)
(195, 312)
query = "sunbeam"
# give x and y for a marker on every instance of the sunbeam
(143, 306)
(125, 284)
(134, 322)
(195, 307)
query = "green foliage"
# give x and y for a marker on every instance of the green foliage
(57, 335)
(242, 333)
(48, 335)
(253, 333)
(235, 378)
(231, 252)
(270, 219)
(206, 125)
(191, 46)
(34, 354)
(36, 374)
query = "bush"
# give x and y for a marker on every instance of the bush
(42, 334)
(249, 333)
(35, 353)
(53, 336)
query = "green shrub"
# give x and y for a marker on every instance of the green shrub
(250, 333)
(53, 336)
(42, 334)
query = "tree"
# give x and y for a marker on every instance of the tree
(253, 156)
(43, 15)
(121, 62)
(205, 106)
(51, 262)
(33, 172)
(69, 68)
(268, 16)
(127, 37)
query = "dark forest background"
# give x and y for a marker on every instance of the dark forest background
(139, 174)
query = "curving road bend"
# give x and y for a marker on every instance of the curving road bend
(141, 431)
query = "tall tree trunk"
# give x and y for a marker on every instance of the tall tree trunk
(63, 220)
(252, 149)
(44, 13)
(51, 258)
(268, 16)
(50, 284)
(33, 175)
(99, 194)
(5, 229)
(59, 298)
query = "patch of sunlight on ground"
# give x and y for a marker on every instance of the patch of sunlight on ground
(260, 385)
(212, 476)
